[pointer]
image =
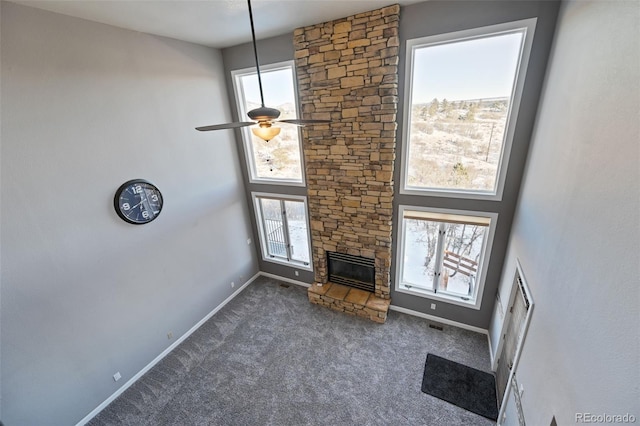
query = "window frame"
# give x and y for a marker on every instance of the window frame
(238, 90)
(476, 299)
(528, 25)
(257, 196)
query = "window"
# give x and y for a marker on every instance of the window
(444, 253)
(279, 160)
(461, 105)
(283, 229)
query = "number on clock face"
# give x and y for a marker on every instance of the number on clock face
(138, 202)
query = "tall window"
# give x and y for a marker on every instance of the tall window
(462, 100)
(283, 229)
(443, 254)
(279, 160)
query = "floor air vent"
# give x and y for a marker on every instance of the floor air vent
(437, 327)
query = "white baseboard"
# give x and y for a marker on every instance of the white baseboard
(491, 357)
(288, 280)
(438, 319)
(164, 353)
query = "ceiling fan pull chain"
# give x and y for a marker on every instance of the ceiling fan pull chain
(255, 52)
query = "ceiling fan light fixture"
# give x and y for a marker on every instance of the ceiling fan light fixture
(265, 131)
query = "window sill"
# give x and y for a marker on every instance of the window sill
(283, 182)
(290, 263)
(448, 193)
(430, 294)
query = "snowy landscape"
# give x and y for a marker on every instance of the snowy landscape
(457, 144)
(420, 255)
(280, 157)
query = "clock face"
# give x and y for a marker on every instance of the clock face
(138, 202)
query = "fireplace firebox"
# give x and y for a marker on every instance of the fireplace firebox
(353, 271)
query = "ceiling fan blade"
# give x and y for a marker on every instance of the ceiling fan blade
(303, 122)
(225, 126)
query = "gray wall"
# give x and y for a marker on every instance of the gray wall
(420, 20)
(576, 230)
(86, 107)
(0, 213)
(270, 51)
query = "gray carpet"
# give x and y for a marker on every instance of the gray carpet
(270, 357)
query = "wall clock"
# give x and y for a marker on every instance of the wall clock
(138, 201)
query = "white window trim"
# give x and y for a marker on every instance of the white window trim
(476, 300)
(246, 132)
(263, 243)
(512, 117)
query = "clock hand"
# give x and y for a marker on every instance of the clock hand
(145, 206)
(132, 209)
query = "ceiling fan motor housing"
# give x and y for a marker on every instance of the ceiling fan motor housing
(263, 113)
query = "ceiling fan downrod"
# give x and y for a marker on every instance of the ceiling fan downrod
(263, 114)
(255, 52)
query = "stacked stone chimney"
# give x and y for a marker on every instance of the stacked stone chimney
(348, 73)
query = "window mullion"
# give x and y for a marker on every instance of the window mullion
(264, 230)
(437, 270)
(285, 227)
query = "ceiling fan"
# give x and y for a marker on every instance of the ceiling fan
(264, 117)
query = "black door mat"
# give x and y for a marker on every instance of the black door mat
(466, 387)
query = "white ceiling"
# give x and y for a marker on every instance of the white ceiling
(215, 23)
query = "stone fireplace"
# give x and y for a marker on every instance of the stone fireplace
(348, 72)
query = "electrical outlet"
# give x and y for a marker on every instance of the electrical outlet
(233, 284)
(248, 241)
(170, 335)
(433, 306)
(296, 273)
(117, 376)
